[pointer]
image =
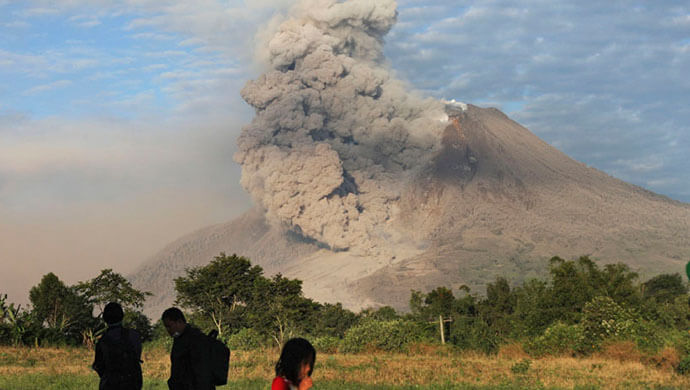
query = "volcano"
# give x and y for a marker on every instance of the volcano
(365, 190)
(495, 200)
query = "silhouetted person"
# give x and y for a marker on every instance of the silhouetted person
(118, 353)
(190, 366)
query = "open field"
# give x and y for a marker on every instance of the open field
(423, 368)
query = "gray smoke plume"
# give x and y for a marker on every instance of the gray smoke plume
(335, 137)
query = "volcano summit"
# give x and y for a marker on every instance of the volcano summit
(365, 190)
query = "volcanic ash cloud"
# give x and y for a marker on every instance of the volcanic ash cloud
(335, 137)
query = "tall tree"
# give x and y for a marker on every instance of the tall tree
(334, 320)
(532, 311)
(664, 288)
(573, 284)
(60, 307)
(280, 310)
(110, 286)
(220, 290)
(499, 305)
(620, 284)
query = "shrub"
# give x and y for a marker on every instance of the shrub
(475, 334)
(138, 321)
(244, 340)
(603, 318)
(559, 339)
(53, 337)
(684, 366)
(383, 335)
(521, 367)
(327, 344)
(5, 334)
(647, 336)
(680, 341)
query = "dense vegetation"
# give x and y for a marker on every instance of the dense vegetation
(579, 309)
(63, 315)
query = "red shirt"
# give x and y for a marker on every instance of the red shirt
(280, 383)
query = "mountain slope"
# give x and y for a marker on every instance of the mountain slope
(494, 200)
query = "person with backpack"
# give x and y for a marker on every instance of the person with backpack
(197, 361)
(118, 353)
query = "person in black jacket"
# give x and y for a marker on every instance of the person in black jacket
(190, 367)
(118, 353)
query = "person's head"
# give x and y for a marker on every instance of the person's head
(174, 321)
(112, 313)
(296, 360)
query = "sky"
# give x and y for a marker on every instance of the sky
(118, 118)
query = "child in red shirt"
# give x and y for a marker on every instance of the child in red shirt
(295, 365)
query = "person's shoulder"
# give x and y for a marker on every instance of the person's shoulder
(193, 331)
(132, 331)
(194, 335)
(279, 383)
(108, 336)
(133, 335)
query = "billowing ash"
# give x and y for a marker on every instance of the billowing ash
(335, 137)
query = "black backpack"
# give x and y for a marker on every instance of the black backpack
(220, 359)
(122, 365)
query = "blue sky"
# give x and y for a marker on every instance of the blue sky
(118, 119)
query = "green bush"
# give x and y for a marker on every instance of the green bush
(680, 340)
(559, 339)
(160, 337)
(603, 318)
(474, 334)
(383, 335)
(521, 367)
(684, 365)
(138, 321)
(327, 344)
(244, 340)
(53, 337)
(649, 337)
(5, 334)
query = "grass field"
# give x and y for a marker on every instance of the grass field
(431, 368)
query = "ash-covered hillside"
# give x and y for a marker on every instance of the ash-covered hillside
(365, 190)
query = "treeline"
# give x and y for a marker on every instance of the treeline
(576, 310)
(64, 315)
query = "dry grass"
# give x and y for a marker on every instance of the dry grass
(422, 366)
(623, 351)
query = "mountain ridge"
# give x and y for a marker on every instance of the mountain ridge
(495, 201)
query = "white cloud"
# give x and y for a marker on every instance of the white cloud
(155, 67)
(16, 24)
(645, 165)
(152, 36)
(90, 23)
(40, 11)
(683, 20)
(48, 87)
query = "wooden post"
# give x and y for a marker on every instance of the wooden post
(440, 324)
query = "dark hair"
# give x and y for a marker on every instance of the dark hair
(173, 314)
(295, 352)
(112, 313)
